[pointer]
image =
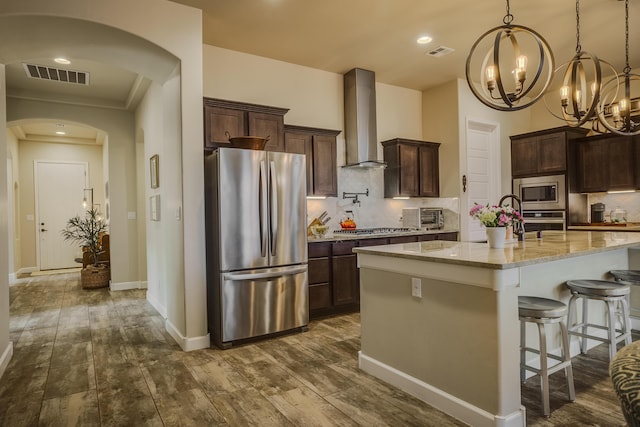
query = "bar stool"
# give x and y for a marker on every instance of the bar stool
(614, 295)
(542, 311)
(632, 277)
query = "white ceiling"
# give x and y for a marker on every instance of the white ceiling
(380, 35)
(338, 35)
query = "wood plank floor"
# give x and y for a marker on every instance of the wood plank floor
(103, 358)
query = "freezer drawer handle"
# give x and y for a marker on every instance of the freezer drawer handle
(267, 275)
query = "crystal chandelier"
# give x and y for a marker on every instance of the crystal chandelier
(505, 46)
(616, 108)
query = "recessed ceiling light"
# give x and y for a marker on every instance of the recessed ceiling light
(59, 132)
(424, 40)
(63, 61)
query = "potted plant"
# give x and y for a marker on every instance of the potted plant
(496, 219)
(87, 232)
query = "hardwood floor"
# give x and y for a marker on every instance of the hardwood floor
(94, 357)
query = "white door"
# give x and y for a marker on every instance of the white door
(59, 192)
(482, 175)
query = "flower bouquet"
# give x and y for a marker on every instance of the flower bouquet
(495, 216)
(496, 219)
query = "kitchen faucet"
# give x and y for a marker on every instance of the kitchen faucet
(518, 227)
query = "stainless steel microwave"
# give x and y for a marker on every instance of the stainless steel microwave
(423, 218)
(541, 192)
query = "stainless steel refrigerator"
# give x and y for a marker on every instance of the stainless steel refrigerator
(255, 215)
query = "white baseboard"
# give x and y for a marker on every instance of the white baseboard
(6, 358)
(155, 303)
(187, 344)
(635, 323)
(439, 399)
(124, 286)
(25, 270)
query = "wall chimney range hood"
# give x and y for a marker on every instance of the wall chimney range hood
(360, 119)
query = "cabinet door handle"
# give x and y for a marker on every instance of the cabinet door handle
(464, 183)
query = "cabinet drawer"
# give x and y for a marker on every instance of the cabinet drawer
(403, 239)
(343, 248)
(319, 270)
(427, 237)
(319, 296)
(320, 249)
(374, 242)
(448, 236)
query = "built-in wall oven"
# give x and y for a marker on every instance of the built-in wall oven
(542, 193)
(544, 220)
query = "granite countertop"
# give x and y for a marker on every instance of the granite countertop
(331, 237)
(553, 245)
(627, 226)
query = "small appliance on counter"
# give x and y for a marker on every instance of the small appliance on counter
(597, 213)
(423, 218)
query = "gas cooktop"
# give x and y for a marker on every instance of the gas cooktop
(364, 231)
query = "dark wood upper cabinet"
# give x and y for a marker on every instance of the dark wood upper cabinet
(605, 162)
(543, 152)
(412, 168)
(320, 147)
(242, 119)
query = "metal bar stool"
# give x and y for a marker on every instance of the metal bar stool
(614, 295)
(631, 277)
(542, 311)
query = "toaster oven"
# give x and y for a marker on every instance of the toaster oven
(423, 218)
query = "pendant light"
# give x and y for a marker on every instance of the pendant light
(505, 54)
(616, 104)
(581, 84)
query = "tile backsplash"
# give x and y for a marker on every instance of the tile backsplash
(374, 210)
(627, 201)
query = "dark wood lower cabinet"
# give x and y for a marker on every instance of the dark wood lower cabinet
(334, 280)
(345, 280)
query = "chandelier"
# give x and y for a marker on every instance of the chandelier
(616, 107)
(577, 97)
(504, 47)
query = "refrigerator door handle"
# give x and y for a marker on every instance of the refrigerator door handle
(262, 196)
(265, 275)
(274, 207)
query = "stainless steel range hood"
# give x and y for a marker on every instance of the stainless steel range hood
(360, 119)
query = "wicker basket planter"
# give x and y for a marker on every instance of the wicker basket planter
(93, 277)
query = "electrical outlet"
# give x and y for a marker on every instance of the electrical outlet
(416, 287)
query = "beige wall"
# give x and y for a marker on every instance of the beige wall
(30, 152)
(6, 347)
(440, 124)
(14, 193)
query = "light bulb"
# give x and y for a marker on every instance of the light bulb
(490, 73)
(521, 62)
(623, 105)
(593, 88)
(564, 93)
(84, 203)
(578, 97)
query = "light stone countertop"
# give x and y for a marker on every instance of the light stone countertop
(553, 245)
(630, 226)
(337, 237)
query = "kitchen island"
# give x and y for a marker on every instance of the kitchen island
(439, 319)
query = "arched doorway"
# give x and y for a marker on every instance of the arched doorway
(123, 45)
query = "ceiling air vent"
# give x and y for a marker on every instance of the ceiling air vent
(439, 51)
(57, 74)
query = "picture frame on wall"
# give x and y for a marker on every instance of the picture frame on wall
(154, 171)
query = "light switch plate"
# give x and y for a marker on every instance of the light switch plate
(416, 287)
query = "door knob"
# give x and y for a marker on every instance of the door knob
(464, 183)
(43, 229)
